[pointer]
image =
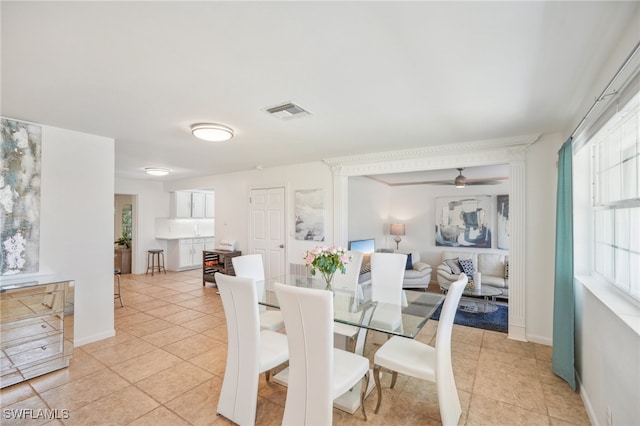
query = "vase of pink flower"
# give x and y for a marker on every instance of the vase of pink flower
(327, 260)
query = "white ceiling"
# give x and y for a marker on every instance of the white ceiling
(376, 76)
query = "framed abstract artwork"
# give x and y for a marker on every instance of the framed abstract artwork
(464, 221)
(309, 214)
(502, 204)
(20, 163)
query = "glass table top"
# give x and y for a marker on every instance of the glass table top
(403, 319)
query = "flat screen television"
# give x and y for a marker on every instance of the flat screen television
(365, 246)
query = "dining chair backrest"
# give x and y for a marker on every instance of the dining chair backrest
(239, 392)
(249, 266)
(387, 275)
(349, 280)
(308, 318)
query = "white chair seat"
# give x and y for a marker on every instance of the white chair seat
(409, 357)
(271, 320)
(273, 349)
(347, 369)
(345, 329)
(387, 317)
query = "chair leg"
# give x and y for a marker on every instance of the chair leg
(365, 385)
(119, 294)
(267, 375)
(394, 377)
(376, 378)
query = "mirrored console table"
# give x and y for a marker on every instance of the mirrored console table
(36, 328)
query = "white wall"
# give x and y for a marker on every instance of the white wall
(76, 224)
(368, 210)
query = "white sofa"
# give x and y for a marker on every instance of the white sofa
(494, 268)
(418, 276)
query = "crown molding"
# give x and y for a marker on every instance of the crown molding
(513, 144)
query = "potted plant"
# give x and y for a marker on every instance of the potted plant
(123, 241)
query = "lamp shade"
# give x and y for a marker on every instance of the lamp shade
(397, 229)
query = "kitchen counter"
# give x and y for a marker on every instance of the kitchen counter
(181, 237)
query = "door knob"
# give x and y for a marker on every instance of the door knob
(281, 245)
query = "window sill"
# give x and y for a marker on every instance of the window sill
(612, 298)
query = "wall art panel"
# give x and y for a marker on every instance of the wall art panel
(20, 163)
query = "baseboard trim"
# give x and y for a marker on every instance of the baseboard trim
(93, 338)
(587, 402)
(517, 333)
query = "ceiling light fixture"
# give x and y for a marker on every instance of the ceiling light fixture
(212, 132)
(460, 180)
(157, 171)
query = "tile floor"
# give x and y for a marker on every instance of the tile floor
(165, 367)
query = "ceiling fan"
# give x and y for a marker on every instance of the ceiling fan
(461, 181)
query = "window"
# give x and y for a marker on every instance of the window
(615, 168)
(126, 221)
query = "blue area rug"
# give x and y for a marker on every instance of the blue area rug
(495, 321)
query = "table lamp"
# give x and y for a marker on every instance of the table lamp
(397, 229)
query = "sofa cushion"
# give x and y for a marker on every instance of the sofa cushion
(491, 264)
(454, 264)
(467, 267)
(421, 266)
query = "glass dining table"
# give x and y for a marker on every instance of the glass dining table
(405, 318)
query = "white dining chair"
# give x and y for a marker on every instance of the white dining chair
(318, 372)
(387, 275)
(348, 294)
(250, 351)
(419, 360)
(251, 266)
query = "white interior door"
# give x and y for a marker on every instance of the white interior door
(267, 233)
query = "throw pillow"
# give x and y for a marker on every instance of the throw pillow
(467, 267)
(409, 264)
(454, 265)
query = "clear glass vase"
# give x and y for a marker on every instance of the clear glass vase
(328, 279)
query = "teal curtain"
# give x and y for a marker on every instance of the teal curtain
(562, 362)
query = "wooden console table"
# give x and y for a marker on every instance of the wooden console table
(217, 261)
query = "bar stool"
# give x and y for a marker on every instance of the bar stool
(155, 261)
(118, 293)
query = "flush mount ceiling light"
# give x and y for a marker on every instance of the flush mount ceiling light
(212, 132)
(460, 180)
(156, 171)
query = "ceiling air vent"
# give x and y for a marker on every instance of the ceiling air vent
(287, 111)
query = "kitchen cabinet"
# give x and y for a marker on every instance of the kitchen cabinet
(185, 253)
(209, 243)
(180, 204)
(209, 204)
(188, 204)
(36, 328)
(197, 204)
